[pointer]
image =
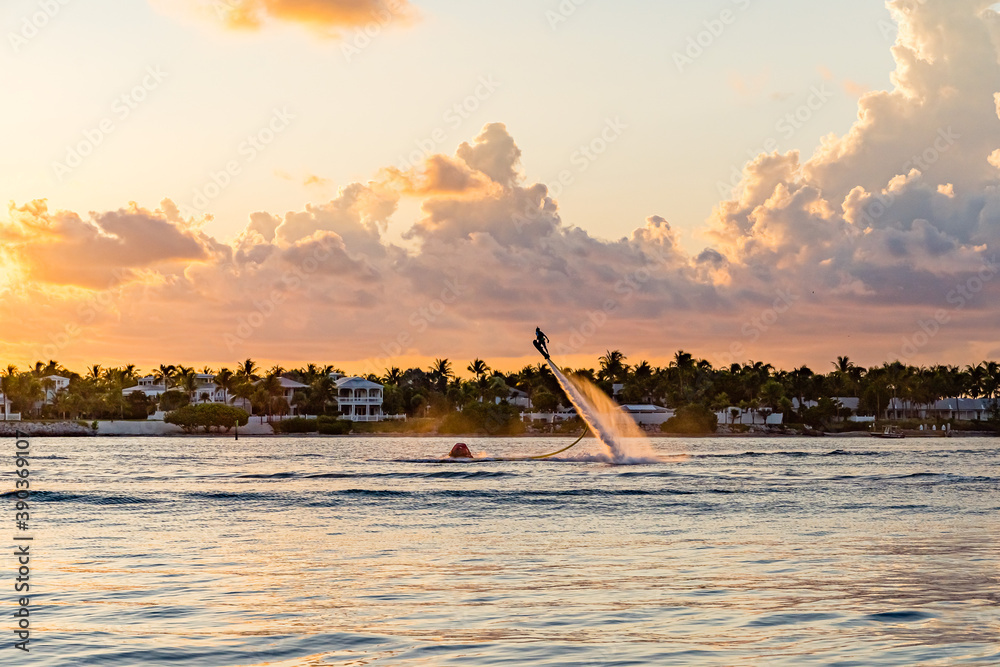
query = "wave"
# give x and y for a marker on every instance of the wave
(90, 498)
(444, 474)
(790, 454)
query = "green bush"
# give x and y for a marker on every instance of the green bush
(295, 425)
(691, 420)
(330, 425)
(173, 400)
(207, 416)
(488, 418)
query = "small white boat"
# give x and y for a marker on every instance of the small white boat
(890, 432)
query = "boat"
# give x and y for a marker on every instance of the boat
(889, 432)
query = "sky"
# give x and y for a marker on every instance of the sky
(375, 183)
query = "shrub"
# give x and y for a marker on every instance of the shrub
(207, 416)
(295, 425)
(488, 418)
(173, 400)
(330, 425)
(690, 420)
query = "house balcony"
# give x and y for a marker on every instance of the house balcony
(372, 400)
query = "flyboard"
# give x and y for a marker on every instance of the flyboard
(460, 452)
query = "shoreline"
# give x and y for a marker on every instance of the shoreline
(141, 429)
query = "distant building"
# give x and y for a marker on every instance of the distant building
(148, 386)
(648, 414)
(760, 417)
(53, 384)
(288, 389)
(6, 410)
(360, 400)
(960, 409)
(517, 398)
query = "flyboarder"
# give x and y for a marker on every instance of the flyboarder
(541, 342)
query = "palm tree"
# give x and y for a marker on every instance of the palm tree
(165, 374)
(478, 368)
(94, 372)
(247, 369)
(393, 376)
(612, 366)
(441, 372)
(322, 393)
(225, 380)
(243, 389)
(977, 378)
(271, 389)
(187, 380)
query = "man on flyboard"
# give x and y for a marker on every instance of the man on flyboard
(541, 342)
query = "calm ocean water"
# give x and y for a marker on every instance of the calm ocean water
(294, 552)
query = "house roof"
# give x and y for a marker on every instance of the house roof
(944, 404)
(644, 408)
(357, 383)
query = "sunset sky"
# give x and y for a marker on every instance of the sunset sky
(372, 183)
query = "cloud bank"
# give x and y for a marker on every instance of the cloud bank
(881, 244)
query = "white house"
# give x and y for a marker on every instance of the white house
(5, 410)
(961, 409)
(750, 417)
(517, 398)
(148, 386)
(360, 400)
(288, 389)
(648, 414)
(53, 384)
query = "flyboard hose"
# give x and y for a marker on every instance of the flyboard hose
(464, 453)
(545, 456)
(575, 442)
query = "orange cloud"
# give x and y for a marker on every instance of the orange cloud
(321, 14)
(62, 248)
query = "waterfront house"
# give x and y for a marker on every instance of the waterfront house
(648, 414)
(959, 409)
(360, 400)
(148, 386)
(53, 384)
(6, 410)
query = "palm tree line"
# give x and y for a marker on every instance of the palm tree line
(437, 390)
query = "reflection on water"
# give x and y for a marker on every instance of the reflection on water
(205, 551)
